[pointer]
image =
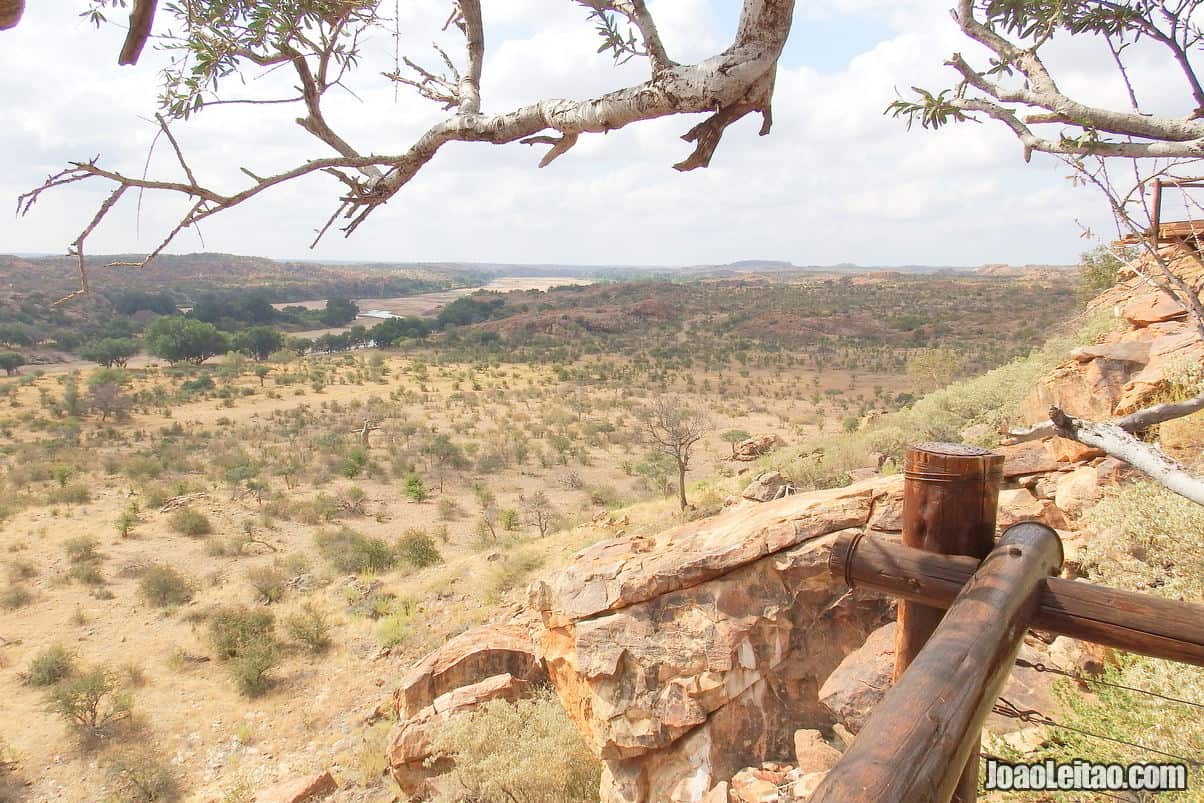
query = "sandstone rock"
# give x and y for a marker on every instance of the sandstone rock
(1136, 352)
(887, 513)
(1111, 471)
(1021, 505)
(812, 752)
(860, 474)
(753, 448)
(466, 659)
(687, 655)
(804, 787)
(719, 794)
(1026, 458)
(1089, 390)
(1077, 490)
(1152, 308)
(766, 487)
(861, 679)
(298, 790)
(1065, 450)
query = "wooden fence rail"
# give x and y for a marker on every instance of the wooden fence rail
(921, 742)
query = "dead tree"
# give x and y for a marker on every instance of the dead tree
(363, 432)
(319, 41)
(673, 429)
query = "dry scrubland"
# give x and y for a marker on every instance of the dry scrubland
(209, 583)
(353, 551)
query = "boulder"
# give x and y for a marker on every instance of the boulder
(468, 658)
(859, 682)
(1088, 390)
(1077, 490)
(753, 448)
(1030, 457)
(812, 753)
(766, 487)
(298, 790)
(1064, 450)
(1152, 308)
(687, 655)
(1020, 504)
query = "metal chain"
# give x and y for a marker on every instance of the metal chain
(1040, 667)
(1032, 716)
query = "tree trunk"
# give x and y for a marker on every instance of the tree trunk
(10, 13)
(681, 484)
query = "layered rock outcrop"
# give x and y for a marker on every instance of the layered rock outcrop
(686, 655)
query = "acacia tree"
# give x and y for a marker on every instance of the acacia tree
(319, 41)
(1120, 151)
(673, 429)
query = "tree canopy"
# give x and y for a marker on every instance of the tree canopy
(179, 339)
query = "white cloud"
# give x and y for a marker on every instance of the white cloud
(835, 181)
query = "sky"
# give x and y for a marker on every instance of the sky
(836, 181)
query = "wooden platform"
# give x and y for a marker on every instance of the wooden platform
(1178, 230)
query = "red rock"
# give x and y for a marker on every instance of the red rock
(1065, 450)
(1030, 457)
(298, 790)
(1020, 505)
(812, 752)
(1152, 308)
(1137, 352)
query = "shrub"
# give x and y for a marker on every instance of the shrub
(232, 628)
(163, 585)
(416, 488)
(418, 549)
(91, 701)
(393, 629)
(50, 666)
(526, 750)
(310, 626)
(15, 596)
(81, 549)
(251, 666)
(87, 574)
(349, 551)
(507, 518)
(141, 775)
(268, 582)
(187, 521)
(74, 493)
(20, 570)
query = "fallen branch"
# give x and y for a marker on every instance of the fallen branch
(1145, 457)
(1132, 423)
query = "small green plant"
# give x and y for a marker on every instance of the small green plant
(91, 701)
(74, 493)
(51, 665)
(310, 626)
(128, 519)
(162, 585)
(416, 488)
(86, 573)
(418, 549)
(250, 667)
(507, 519)
(393, 629)
(193, 523)
(268, 582)
(20, 570)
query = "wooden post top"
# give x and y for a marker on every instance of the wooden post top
(952, 462)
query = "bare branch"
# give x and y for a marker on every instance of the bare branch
(1145, 457)
(1132, 423)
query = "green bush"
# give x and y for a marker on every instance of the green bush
(50, 666)
(231, 629)
(418, 549)
(91, 701)
(251, 666)
(187, 521)
(310, 626)
(163, 585)
(139, 774)
(73, 493)
(349, 551)
(87, 574)
(527, 750)
(416, 488)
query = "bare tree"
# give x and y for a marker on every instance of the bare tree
(539, 511)
(319, 41)
(673, 428)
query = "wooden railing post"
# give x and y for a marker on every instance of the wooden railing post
(950, 495)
